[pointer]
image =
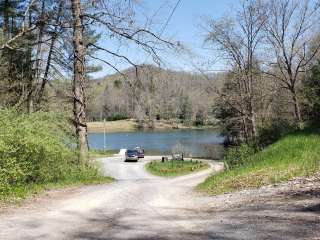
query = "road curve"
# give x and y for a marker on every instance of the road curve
(137, 206)
(141, 206)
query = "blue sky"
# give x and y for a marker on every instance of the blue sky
(184, 26)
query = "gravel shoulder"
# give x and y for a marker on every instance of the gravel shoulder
(142, 206)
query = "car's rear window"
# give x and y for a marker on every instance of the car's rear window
(131, 151)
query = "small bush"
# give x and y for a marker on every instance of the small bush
(239, 155)
(117, 116)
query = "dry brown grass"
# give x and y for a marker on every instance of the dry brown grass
(129, 125)
(113, 126)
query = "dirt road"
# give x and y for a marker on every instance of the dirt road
(142, 206)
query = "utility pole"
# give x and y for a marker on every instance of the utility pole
(104, 134)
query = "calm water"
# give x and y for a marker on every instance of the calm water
(159, 142)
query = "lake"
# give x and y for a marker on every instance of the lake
(192, 142)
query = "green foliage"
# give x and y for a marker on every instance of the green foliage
(239, 155)
(229, 119)
(115, 116)
(36, 149)
(117, 83)
(200, 118)
(272, 131)
(295, 155)
(311, 93)
(175, 168)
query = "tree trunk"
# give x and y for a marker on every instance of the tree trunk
(30, 75)
(30, 104)
(253, 121)
(297, 112)
(5, 27)
(46, 72)
(54, 37)
(79, 101)
(245, 129)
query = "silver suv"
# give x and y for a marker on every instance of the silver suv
(132, 155)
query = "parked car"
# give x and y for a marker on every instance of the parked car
(140, 152)
(131, 155)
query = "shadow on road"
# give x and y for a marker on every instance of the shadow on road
(271, 221)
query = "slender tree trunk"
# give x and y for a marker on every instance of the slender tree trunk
(79, 102)
(5, 27)
(297, 112)
(245, 130)
(30, 75)
(46, 71)
(250, 82)
(54, 36)
(253, 120)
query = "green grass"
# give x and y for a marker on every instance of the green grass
(19, 193)
(295, 155)
(175, 168)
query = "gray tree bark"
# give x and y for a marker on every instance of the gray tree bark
(79, 98)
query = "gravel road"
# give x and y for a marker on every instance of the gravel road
(141, 206)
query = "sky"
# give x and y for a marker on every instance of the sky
(184, 27)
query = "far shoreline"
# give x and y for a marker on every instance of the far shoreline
(131, 125)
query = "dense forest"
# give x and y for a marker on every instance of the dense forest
(49, 54)
(162, 94)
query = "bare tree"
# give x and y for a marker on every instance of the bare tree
(289, 29)
(238, 41)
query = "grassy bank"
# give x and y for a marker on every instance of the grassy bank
(175, 168)
(37, 152)
(21, 192)
(295, 155)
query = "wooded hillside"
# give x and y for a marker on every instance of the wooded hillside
(154, 93)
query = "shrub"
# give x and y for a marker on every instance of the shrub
(200, 118)
(239, 155)
(272, 131)
(117, 116)
(36, 148)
